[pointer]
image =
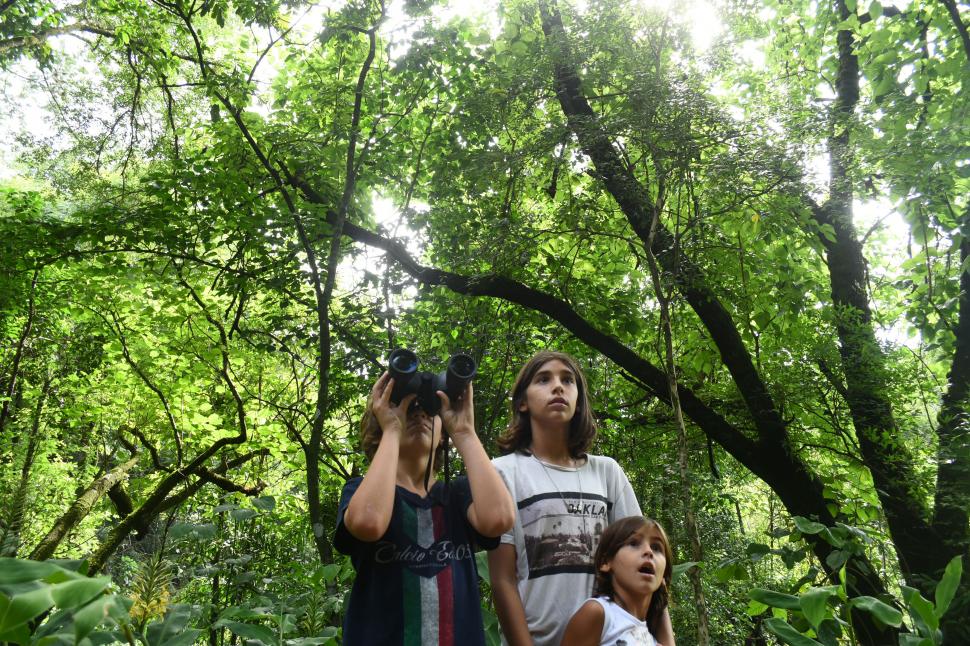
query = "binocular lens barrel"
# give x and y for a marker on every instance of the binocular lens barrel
(462, 366)
(403, 361)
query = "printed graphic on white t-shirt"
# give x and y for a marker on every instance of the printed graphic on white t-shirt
(561, 531)
(636, 636)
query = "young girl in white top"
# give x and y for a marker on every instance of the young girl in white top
(564, 497)
(633, 569)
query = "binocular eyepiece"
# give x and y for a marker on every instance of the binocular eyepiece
(403, 367)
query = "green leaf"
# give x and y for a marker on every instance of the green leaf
(188, 530)
(804, 525)
(884, 86)
(880, 610)
(264, 503)
(20, 571)
(775, 599)
(18, 635)
(786, 633)
(828, 232)
(762, 320)
(791, 556)
(947, 587)
(481, 562)
(757, 551)
(172, 627)
(250, 631)
(87, 618)
(830, 632)
(186, 638)
(73, 594)
(920, 608)
(23, 607)
(681, 568)
(909, 639)
(814, 602)
(240, 515)
(837, 558)
(730, 569)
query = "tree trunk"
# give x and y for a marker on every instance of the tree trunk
(79, 510)
(215, 597)
(920, 547)
(10, 538)
(10, 389)
(690, 522)
(798, 488)
(952, 505)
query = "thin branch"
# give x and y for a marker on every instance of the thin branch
(39, 38)
(954, 11)
(226, 484)
(115, 325)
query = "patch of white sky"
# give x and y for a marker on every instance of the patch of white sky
(886, 247)
(26, 109)
(23, 111)
(702, 19)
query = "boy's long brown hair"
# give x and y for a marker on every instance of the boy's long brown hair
(614, 537)
(582, 427)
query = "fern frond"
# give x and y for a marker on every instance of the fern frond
(11, 520)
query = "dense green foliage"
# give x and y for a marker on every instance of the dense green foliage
(239, 208)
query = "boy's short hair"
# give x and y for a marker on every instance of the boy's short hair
(371, 432)
(582, 427)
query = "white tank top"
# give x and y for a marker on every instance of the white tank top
(620, 628)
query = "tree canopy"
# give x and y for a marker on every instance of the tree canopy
(237, 210)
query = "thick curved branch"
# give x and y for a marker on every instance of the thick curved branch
(226, 484)
(77, 511)
(159, 501)
(639, 208)
(650, 376)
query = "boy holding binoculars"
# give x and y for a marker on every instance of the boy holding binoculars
(411, 539)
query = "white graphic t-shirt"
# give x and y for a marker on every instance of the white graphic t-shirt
(561, 514)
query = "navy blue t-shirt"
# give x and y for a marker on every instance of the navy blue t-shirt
(417, 585)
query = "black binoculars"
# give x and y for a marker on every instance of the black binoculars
(403, 367)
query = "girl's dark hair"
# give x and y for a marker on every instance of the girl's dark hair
(582, 427)
(614, 537)
(370, 437)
